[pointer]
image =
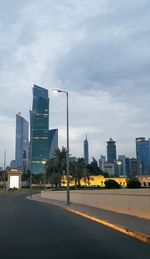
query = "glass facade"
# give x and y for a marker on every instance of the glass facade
(52, 141)
(39, 126)
(143, 155)
(86, 151)
(111, 150)
(22, 143)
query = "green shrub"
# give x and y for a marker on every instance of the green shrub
(133, 182)
(112, 184)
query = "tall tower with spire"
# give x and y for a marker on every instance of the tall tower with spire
(86, 150)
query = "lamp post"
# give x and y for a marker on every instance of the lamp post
(67, 154)
(44, 175)
(31, 182)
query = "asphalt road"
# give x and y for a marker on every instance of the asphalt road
(30, 229)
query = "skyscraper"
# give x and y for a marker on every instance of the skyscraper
(143, 155)
(102, 162)
(86, 151)
(133, 167)
(111, 150)
(52, 141)
(39, 126)
(122, 158)
(22, 143)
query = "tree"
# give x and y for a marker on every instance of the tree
(87, 177)
(55, 179)
(56, 166)
(93, 167)
(133, 182)
(95, 170)
(112, 184)
(77, 170)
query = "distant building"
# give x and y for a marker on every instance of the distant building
(133, 167)
(73, 159)
(111, 150)
(118, 168)
(109, 168)
(143, 155)
(127, 164)
(39, 127)
(122, 158)
(102, 161)
(144, 180)
(86, 151)
(52, 141)
(22, 143)
(13, 164)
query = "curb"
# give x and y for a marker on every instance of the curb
(121, 229)
(139, 236)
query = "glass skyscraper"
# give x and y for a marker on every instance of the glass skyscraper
(111, 150)
(143, 155)
(22, 143)
(86, 151)
(39, 127)
(52, 141)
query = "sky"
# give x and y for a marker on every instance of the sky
(98, 51)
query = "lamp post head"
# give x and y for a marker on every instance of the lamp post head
(56, 91)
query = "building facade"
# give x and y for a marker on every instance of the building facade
(22, 143)
(143, 155)
(39, 127)
(133, 167)
(102, 161)
(52, 141)
(109, 168)
(127, 164)
(111, 150)
(122, 158)
(86, 151)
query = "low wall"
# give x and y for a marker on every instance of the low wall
(134, 202)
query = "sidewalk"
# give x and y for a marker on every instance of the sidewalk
(128, 223)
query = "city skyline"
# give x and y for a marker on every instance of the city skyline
(98, 52)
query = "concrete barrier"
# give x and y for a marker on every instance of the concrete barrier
(134, 202)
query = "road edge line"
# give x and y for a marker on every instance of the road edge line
(128, 232)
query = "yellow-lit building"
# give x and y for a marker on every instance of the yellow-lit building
(95, 181)
(99, 181)
(145, 180)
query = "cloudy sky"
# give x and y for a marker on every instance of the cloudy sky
(97, 50)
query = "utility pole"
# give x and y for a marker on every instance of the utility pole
(5, 169)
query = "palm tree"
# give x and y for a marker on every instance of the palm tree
(57, 165)
(77, 170)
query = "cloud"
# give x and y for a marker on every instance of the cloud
(97, 50)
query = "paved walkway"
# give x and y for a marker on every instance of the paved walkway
(131, 223)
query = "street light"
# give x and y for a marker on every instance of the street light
(44, 174)
(67, 154)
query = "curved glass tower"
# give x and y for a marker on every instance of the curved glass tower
(39, 126)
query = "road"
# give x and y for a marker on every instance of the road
(30, 229)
